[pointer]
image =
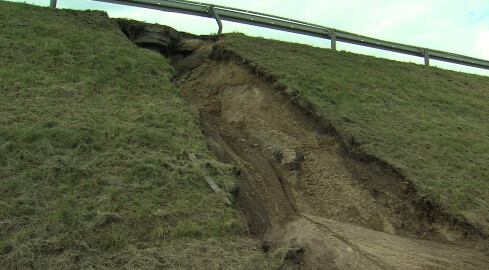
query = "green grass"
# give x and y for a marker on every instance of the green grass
(430, 124)
(94, 143)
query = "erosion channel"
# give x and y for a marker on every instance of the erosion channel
(299, 187)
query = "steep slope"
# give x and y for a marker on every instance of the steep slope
(299, 188)
(430, 125)
(94, 155)
(106, 165)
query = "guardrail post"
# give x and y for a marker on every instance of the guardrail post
(53, 3)
(333, 40)
(426, 55)
(214, 13)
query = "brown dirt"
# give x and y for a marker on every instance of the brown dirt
(295, 179)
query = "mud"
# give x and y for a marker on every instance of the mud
(299, 186)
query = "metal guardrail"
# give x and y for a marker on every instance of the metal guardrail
(284, 24)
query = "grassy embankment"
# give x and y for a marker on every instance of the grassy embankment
(430, 124)
(94, 143)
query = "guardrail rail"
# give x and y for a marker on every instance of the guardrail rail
(284, 24)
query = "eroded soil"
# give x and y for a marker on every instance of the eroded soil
(299, 187)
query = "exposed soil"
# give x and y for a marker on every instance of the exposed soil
(299, 187)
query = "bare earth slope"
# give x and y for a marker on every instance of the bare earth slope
(430, 124)
(295, 178)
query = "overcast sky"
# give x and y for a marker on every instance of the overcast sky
(458, 26)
